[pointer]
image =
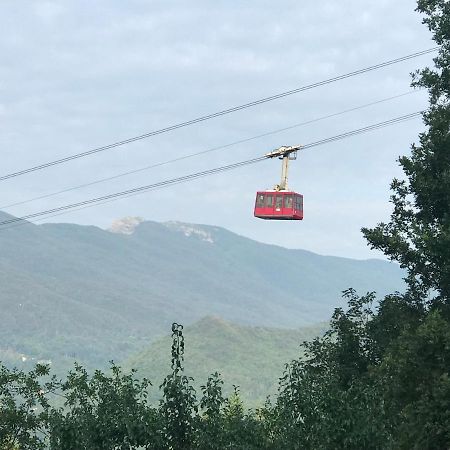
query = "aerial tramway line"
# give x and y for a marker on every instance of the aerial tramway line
(280, 203)
(277, 204)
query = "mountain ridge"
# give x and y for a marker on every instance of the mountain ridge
(94, 295)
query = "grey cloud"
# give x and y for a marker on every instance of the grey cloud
(77, 74)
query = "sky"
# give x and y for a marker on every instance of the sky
(75, 75)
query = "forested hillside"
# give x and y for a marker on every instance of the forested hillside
(79, 292)
(252, 358)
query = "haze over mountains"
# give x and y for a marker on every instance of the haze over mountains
(71, 291)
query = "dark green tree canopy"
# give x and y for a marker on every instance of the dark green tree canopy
(418, 234)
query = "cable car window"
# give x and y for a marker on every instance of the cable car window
(288, 201)
(300, 203)
(278, 202)
(269, 201)
(260, 201)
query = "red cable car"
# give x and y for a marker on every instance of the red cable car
(280, 203)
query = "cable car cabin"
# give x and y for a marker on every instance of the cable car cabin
(279, 205)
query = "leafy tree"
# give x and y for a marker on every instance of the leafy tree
(243, 430)
(178, 407)
(411, 332)
(211, 430)
(104, 412)
(416, 385)
(418, 234)
(381, 379)
(327, 399)
(24, 407)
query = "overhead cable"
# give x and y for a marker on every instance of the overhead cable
(364, 129)
(216, 114)
(184, 178)
(203, 152)
(204, 173)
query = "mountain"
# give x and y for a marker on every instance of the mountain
(71, 291)
(251, 357)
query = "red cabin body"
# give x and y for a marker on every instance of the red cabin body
(279, 205)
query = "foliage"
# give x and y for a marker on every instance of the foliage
(103, 412)
(326, 400)
(212, 430)
(24, 407)
(418, 234)
(380, 379)
(414, 374)
(178, 407)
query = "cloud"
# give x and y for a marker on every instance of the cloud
(79, 74)
(48, 11)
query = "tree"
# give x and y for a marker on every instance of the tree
(178, 407)
(412, 331)
(327, 398)
(381, 379)
(24, 407)
(418, 234)
(211, 430)
(414, 374)
(103, 412)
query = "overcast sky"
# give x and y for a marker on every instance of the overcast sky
(79, 74)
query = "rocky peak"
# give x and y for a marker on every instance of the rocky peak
(125, 225)
(191, 230)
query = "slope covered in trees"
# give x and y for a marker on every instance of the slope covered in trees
(251, 357)
(77, 292)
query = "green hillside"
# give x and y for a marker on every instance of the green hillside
(250, 357)
(81, 292)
